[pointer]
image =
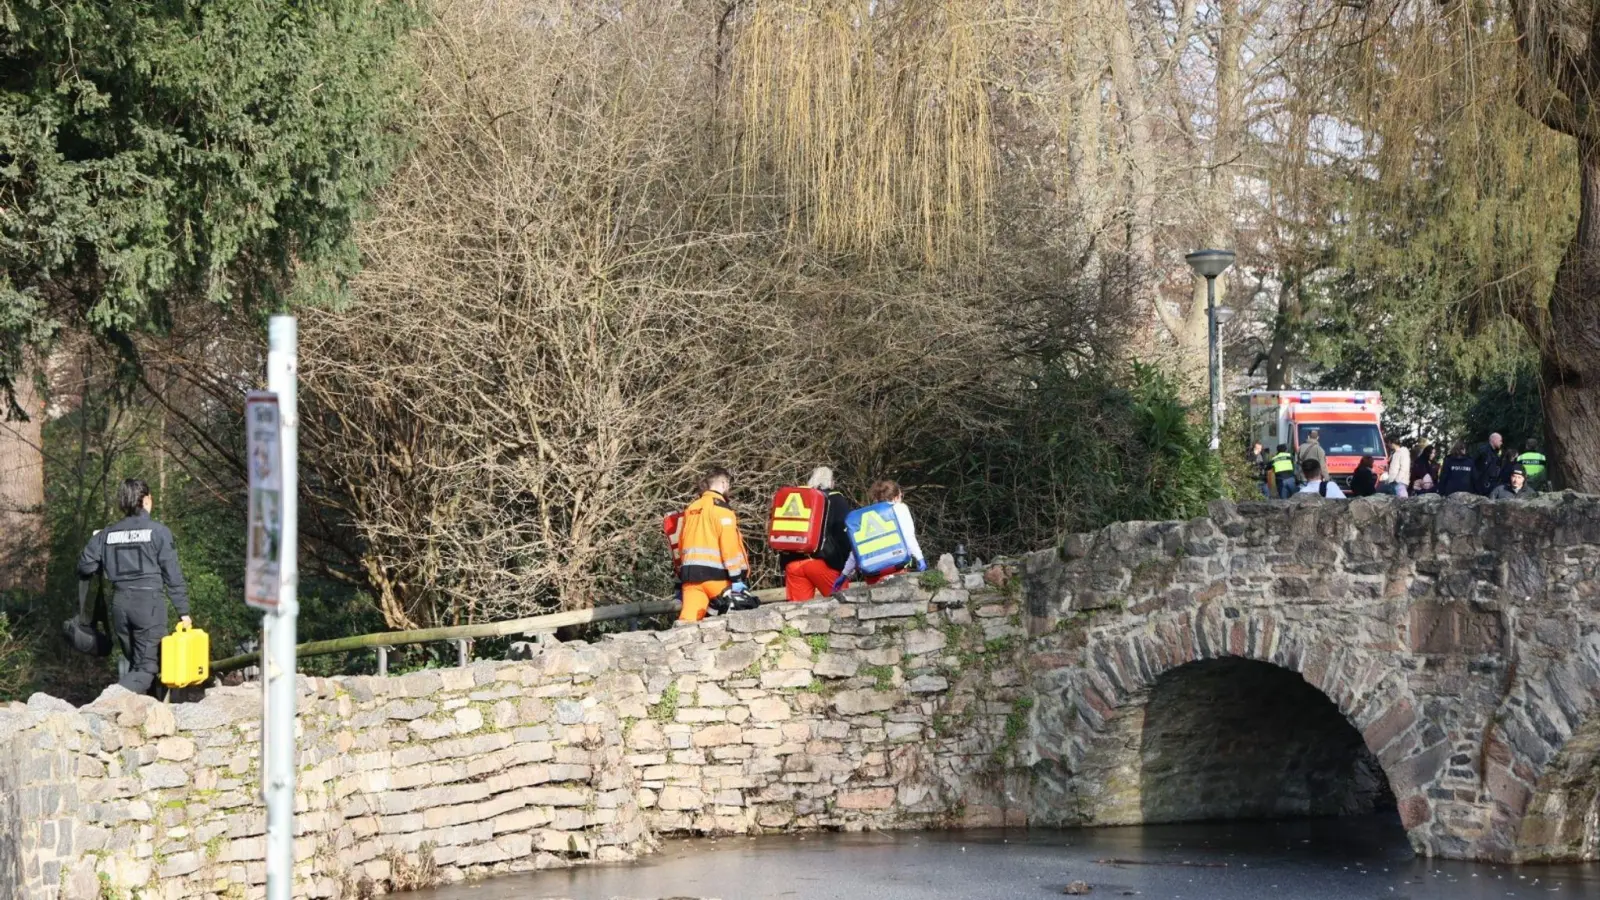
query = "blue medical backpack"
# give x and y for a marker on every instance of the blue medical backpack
(875, 534)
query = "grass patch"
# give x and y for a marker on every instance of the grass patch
(882, 676)
(667, 709)
(999, 645)
(932, 580)
(1017, 719)
(817, 642)
(1016, 724)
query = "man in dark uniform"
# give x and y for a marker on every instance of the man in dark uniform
(139, 558)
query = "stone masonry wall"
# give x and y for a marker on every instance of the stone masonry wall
(898, 707)
(1460, 637)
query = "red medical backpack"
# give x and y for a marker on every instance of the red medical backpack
(795, 525)
(672, 527)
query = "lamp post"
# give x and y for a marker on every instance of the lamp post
(1210, 264)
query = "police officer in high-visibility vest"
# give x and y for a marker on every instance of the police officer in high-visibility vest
(1534, 465)
(1283, 472)
(140, 559)
(712, 554)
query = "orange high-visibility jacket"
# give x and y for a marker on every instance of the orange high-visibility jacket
(711, 546)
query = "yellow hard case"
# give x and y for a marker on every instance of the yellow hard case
(185, 657)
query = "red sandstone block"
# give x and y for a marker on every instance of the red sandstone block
(875, 798)
(1396, 719)
(1414, 811)
(1508, 790)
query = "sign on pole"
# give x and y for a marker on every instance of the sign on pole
(264, 544)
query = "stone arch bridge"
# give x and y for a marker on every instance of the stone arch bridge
(1435, 658)
(1315, 657)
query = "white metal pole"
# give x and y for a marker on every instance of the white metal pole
(278, 727)
(1214, 364)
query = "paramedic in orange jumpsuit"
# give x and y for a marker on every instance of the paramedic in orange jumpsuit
(712, 552)
(805, 575)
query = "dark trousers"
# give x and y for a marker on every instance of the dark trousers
(1287, 487)
(139, 621)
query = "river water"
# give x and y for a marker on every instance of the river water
(1353, 858)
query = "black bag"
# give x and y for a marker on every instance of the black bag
(82, 630)
(727, 602)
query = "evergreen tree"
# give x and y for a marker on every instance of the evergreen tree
(155, 153)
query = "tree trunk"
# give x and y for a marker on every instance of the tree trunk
(1570, 349)
(1190, 328)
(1284, 325)
(1116, 18)
(24, 553)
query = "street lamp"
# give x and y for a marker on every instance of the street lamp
(1210, 264)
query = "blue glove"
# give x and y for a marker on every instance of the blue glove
(838, 583)
(736, 588)
(922, 565)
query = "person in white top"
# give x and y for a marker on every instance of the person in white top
(1398, 475)
(888, 491)
(1311, 481)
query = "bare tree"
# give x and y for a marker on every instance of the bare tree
(562, 324)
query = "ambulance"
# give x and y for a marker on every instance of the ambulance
(1349, 422)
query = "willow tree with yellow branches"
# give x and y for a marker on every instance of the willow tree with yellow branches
(872, 117)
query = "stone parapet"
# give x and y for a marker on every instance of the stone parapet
(875, 711)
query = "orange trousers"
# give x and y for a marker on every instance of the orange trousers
(697, 599)
(804, 579)
(886, 573)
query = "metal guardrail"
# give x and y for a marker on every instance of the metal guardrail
(383, 640)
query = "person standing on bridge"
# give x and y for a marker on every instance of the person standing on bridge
(1364, 481)
(712, 556)
(1262, 464)
(1312, 450)
(1488, 471)
(1424, 461)
(140, 559)
(1534, 465)
(1397, 475)
(1457, 472)
(805, 575)
(1312, 482)
(1517, 489)
(1283, 472)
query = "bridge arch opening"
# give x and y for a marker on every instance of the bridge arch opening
(1235, 738)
